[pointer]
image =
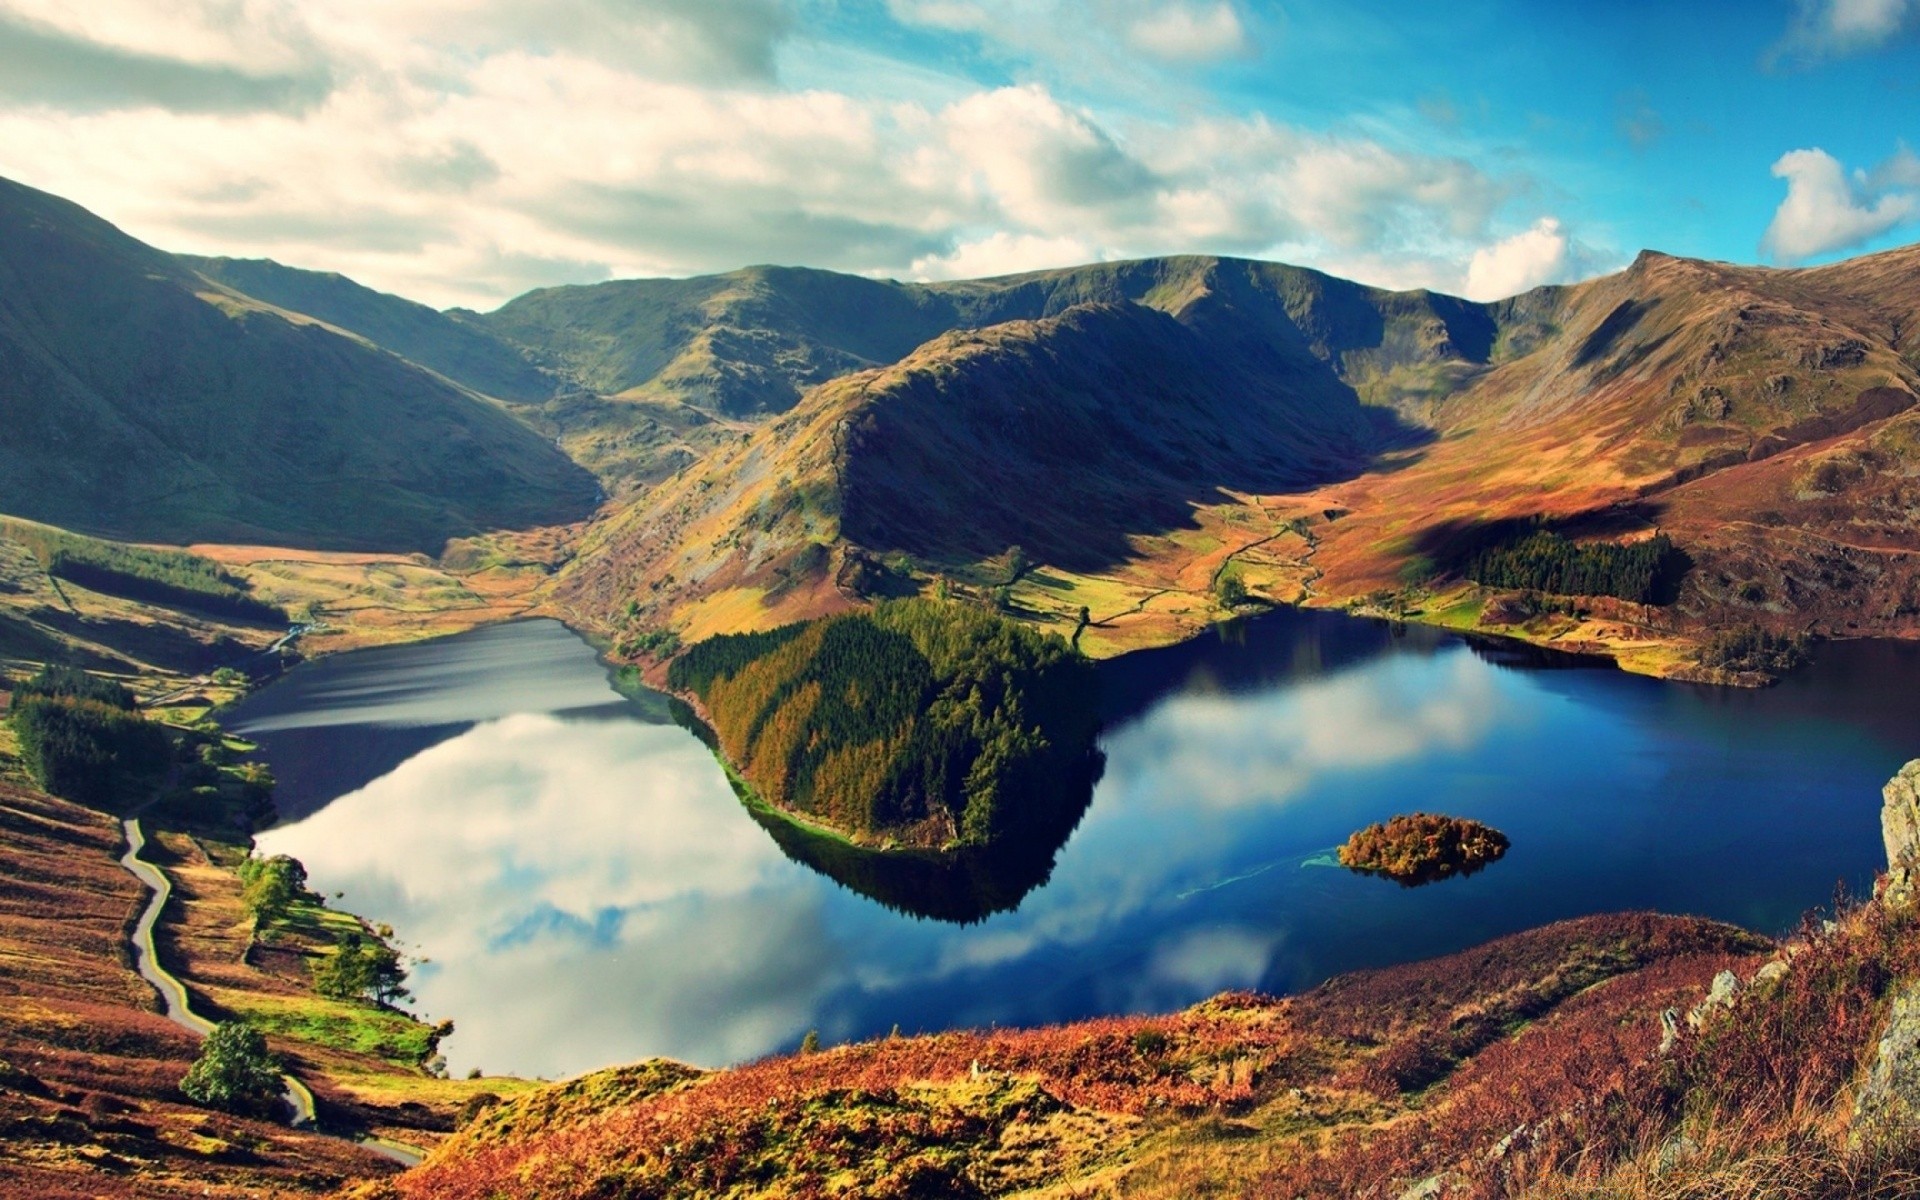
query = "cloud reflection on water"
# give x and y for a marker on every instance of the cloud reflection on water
(582, 888)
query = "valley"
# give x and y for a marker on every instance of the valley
(833, 669)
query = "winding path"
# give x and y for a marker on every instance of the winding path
(173, 993)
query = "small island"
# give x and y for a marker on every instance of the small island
(1423, 848)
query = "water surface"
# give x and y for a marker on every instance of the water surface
(585, 889)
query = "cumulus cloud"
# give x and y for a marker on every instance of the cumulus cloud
(1542, 254)
(461, 151)
(1003, 253)
(1826, 210)
(43, 63)
(1824, 29)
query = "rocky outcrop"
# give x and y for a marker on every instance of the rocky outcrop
(1889, 1103)
(1900, 829)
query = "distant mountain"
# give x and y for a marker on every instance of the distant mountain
(752, 341)
(1150, 419)
(143, 400)
(1153, 387)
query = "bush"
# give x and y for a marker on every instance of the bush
(235, 1072)
(269, 886)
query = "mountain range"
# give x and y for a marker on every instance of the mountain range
(781, 442)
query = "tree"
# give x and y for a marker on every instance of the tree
(235, 1071)
(1231, 591)
(360, 969)
(269, 887)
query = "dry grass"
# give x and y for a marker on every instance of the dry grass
(1212, 1101)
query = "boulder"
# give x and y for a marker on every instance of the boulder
(1889, 1102)
(1900, 830)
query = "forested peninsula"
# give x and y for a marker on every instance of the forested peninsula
(919, 723)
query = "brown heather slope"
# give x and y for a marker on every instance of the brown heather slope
(1210, 1101)
(1328, 444)
(89, 1103)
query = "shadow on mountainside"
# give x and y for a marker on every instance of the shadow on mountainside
(1074, 436)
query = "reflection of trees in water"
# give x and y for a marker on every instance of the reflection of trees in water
(961, 886)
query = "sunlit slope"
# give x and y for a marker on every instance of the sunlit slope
(1760, 417)
(141, 400)
(1195, 417)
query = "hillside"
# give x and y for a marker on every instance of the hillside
(1144, 431)
(143, 401)
(463, 353)
(1072, 436)
(931, 725)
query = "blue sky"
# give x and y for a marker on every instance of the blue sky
(461, 151)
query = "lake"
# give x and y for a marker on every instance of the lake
(584, 889)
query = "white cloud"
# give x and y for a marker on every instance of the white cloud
(1539, 255)
(1831, 28)
(1189, 33)
(1003, 253)
(462, 151)
(1825, 210)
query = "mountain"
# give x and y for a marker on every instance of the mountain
(1141, 431)
(467, 355)
(1761, 418)
(145, 401)
(753, 341)
(1132, 393)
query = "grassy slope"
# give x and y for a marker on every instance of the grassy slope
(89, 1105)
(142, 400)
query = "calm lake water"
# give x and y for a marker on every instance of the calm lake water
(586, 889)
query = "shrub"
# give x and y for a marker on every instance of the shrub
(269, 887)
(234, 1072)
(361, 968)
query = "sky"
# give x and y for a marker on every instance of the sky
(460, 152)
